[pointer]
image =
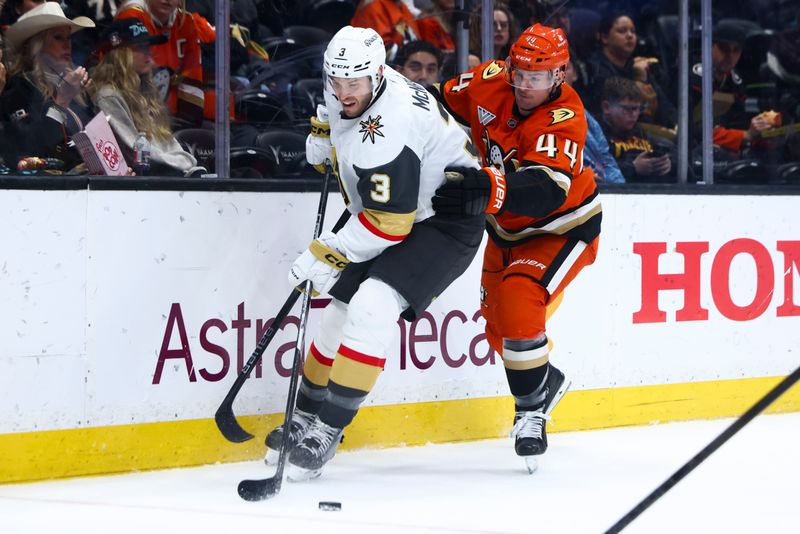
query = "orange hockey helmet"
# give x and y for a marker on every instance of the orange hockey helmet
(539, 48)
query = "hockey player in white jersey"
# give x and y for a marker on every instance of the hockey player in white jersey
(391, 144)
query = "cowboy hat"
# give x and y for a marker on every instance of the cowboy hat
(43, 17)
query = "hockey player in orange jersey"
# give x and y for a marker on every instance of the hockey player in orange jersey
(542, 210)
(178, 73)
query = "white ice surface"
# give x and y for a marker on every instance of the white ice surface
(585, 482)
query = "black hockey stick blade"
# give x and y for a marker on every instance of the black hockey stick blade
(258, 490)
(225, 418)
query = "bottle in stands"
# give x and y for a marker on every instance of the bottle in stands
(141, 155)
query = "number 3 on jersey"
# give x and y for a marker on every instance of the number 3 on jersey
(380, 193)
(547, 143)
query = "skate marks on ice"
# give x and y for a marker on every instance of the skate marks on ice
(584, 483)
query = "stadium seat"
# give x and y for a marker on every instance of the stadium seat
(252, 162)
(330, 15)
(307, 35)
(281, 47)
(304, 97)
(745, 171)
(200, 143)
(789, 173)
(261, 108)
(754, 54)
(289, 149)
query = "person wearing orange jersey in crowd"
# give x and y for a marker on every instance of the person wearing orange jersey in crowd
(542, 210)
(437, 26)
(178, 73)
(391, 19)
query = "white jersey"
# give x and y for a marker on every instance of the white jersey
(390, 161)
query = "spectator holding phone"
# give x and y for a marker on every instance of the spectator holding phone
(44, 99)
(621, 105)
(616, 57)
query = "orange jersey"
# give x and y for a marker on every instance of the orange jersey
(390, 18)
(431, 30)
(178, 73)
(550, 140)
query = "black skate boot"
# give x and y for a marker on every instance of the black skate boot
(297, 430)
(314, 451)
(557, 385)
(530, 432)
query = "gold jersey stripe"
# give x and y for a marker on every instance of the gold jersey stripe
(353, 374)
(524, 365)
(316, 372)
(391, 224)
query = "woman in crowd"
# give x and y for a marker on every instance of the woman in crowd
(124, 90)
(617, 36)
(45, 100)
(505, 32)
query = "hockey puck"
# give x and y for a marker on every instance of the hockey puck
(330, 506)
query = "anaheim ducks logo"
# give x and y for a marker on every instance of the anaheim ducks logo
(497, 157)
(370, 128)
(491, 70)
(561, 115)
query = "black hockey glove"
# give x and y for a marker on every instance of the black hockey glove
(470, 192)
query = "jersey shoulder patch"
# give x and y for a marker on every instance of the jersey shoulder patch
(561, 115)
(491, 70)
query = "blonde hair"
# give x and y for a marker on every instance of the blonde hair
(148, 111)
(27, 63)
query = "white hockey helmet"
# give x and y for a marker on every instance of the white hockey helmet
(354, 53)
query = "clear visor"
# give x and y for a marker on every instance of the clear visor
(530, 79)
(345, 88)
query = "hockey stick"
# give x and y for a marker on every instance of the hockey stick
(709, 449)
(224, 417)
(258, 490)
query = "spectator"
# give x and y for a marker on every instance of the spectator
(123, 88)
(596, 154)
(391, 19)
(178, 73)
(12, 9)
(506, 31)
(44, 99)
(617, 36)
(437, 26)
(7, 152)
(2, 67)
(783, 62)
(420, 62)
(639, 160)
(733, 130)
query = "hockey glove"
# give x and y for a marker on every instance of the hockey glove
(470, 192)
(318, 143)
(322, 263)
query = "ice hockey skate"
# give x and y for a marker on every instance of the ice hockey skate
(309, 457)
(298, 427)
(530, 432)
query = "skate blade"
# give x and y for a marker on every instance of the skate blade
(300, 474)
(272, 457)
(531, 463)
